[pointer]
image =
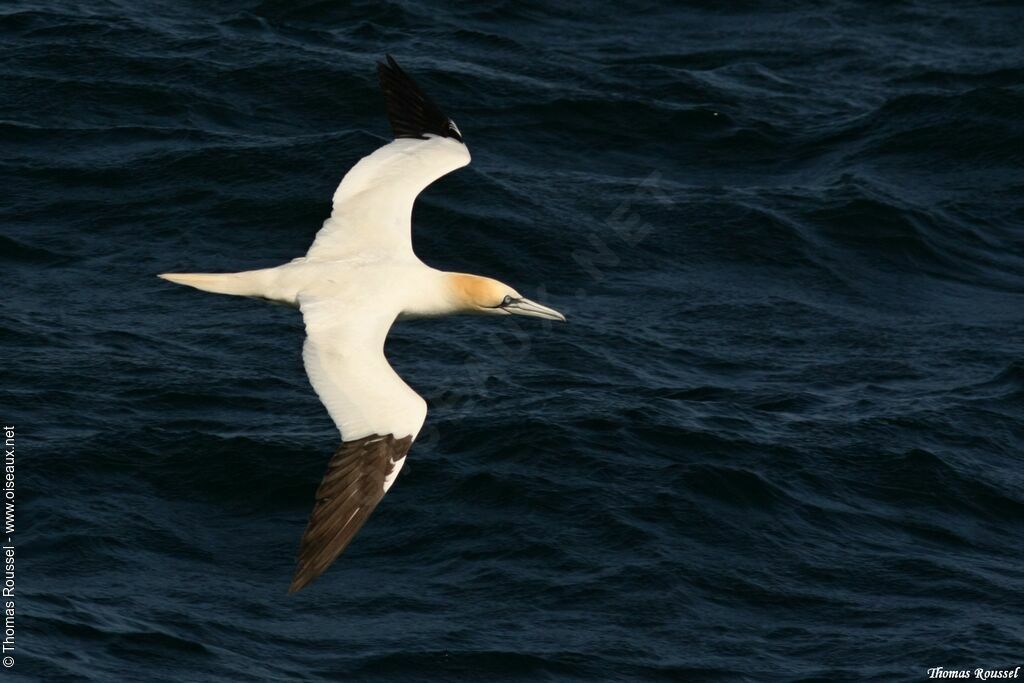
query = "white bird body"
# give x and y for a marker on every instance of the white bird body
(404, 283)
(359, 276)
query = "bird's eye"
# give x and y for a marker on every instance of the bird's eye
(507, 300)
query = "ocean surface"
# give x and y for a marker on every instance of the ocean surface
(781, 437)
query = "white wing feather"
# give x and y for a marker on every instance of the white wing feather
(344, 358)
(373, 204)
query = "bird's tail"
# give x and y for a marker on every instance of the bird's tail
(249, 283)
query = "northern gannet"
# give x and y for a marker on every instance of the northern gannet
(359, 277)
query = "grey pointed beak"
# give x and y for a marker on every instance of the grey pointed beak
(533, 309)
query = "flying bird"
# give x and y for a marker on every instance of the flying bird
(359, 277)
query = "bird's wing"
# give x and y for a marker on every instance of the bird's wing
(377, 414)
(373, 204)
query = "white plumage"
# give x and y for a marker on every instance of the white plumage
(373, 203)
(359, 276)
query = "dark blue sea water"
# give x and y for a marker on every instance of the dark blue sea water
(781, 437)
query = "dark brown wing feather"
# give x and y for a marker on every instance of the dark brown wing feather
(411, 112)
(349, 492)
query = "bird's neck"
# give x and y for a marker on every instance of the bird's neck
(439, 293)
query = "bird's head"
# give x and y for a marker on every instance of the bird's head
(486, 296)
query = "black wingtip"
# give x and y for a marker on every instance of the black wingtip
(411, 112)
(299, 581)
